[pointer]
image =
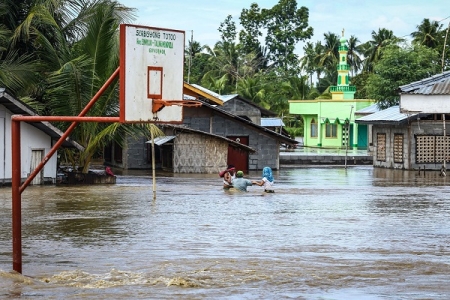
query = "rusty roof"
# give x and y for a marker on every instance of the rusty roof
(438, 84)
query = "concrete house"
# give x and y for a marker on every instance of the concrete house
(414, 134)
(36, 141)
(266, 142)
(239, 106)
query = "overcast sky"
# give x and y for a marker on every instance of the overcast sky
(202, 18)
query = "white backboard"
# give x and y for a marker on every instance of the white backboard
(151, 67)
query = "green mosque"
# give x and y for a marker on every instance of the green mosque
(330, 123)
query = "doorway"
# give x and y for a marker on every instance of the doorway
(36, 158)
(238, 157)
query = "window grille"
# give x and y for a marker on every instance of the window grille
(381, 146)
(398, 148)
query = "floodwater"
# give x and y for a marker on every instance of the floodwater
(326, 233)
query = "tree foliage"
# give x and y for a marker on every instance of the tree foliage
(286, 25)
(399, 66)
(56, 55)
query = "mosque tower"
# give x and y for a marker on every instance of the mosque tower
(343, 91)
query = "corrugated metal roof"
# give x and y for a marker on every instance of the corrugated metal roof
(391, 115)
(435, 85)
(224, 98)
(368, 110)
(160, 140)
(271, 122)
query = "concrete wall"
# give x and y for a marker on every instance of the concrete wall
(411, 132)
(135, 153)
(241, 108)
(268, 148)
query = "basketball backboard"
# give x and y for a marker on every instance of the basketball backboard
(151, 68)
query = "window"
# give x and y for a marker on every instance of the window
(313, 128)
(398, 148)
(331, 130)
(381, 146)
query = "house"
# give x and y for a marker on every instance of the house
(36, 140)
(414, 134)
(266, 142)
(186, 150)
(259, 146)
(330, 123)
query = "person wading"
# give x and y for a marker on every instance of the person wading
(228, 176)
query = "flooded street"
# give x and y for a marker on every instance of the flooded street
(326, 233)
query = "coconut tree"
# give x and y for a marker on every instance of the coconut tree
(353, 55)
(253, 88)
(296, 88)
(308, 61)
(429, 33)
(77, 53)
(329, 57)
(223, 63)
(373, 49)
(18, 60)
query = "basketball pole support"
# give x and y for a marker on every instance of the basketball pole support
(16, 187)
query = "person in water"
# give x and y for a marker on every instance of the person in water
(228, 176)
(240, 183)
(267, 180)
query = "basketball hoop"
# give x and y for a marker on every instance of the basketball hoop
(159, 104)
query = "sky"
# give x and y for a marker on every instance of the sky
(200, 19)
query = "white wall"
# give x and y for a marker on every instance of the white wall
(31, 138)
(429, 104)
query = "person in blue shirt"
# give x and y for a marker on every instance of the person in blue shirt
(240, 183)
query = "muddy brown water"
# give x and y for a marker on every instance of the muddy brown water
(326, 233)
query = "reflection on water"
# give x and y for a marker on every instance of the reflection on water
(327, 233)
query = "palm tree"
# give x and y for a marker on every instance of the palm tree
(296, 88)
(253, 88)
(77, 54)
(224, 64)
(329, 57)
(18, 61)
(373, 49)
(308, 61)
(428, 33)
(353, 55)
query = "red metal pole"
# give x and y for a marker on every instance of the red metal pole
(17, 189)
(69, 130)
(16, 197)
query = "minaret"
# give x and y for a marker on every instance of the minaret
(343, 91)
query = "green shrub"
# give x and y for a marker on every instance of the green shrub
(295, 131)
